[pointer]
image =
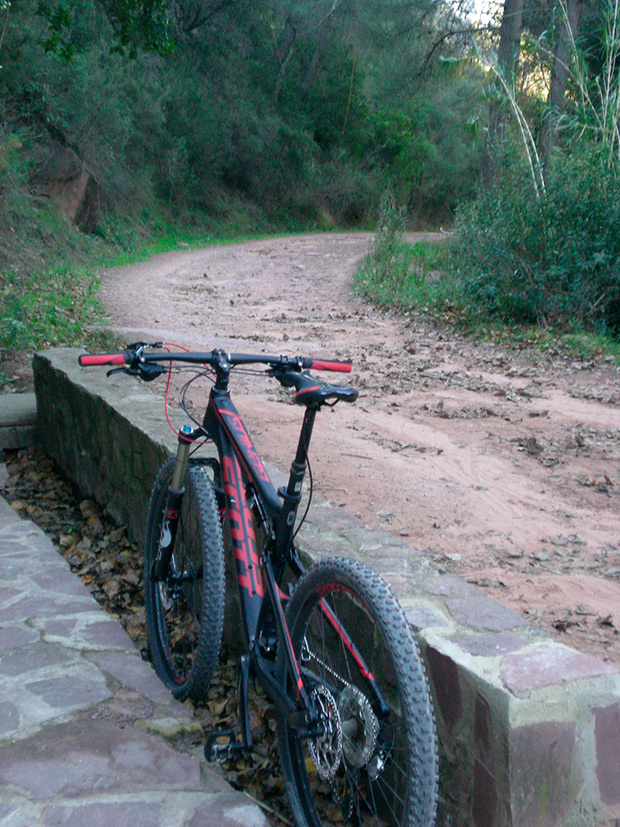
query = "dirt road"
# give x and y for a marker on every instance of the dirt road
(504, 468)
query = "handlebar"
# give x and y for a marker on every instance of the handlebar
(105, 359)
(137, 361)
(136, 356)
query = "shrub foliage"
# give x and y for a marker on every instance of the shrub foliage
(553, 260)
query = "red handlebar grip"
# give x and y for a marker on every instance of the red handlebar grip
(103, 359)
(342, 367)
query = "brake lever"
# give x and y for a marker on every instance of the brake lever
(283, 371)
(121, 370)
(134, 369)
(146, 372)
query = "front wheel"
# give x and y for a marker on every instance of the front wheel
(185, 610)
(374, 762)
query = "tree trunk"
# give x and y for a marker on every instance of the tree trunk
(559, 77)
(314, 63)
(286, 50)
(507, 57)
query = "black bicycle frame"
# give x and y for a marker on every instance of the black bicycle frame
(259, 584)
(250, 495)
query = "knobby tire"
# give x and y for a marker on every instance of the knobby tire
(185, 618)
(367, 768)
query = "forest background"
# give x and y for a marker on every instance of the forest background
(133, 125)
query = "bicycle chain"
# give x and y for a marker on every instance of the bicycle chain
(375, 723)
(326, 667)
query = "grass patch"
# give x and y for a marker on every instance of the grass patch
(423, 278)
(581, 345)
(396, 273)
(48, 285)
(51, 308)
(49, 270)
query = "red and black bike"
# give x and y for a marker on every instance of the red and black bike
(329, 644)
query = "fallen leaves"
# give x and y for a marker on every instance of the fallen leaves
(578, 619)
(604, 483)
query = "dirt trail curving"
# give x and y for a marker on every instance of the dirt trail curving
(503, 468)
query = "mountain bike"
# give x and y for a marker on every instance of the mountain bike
(329, 644)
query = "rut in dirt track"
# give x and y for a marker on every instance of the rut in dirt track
(503, 467)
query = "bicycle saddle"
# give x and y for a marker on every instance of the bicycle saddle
(312, 393)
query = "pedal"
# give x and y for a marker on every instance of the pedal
(222, 746)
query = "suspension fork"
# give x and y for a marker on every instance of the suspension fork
(172, 509)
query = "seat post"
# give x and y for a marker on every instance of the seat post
(291, 495)
(299, 464)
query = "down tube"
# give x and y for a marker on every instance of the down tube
(247, 563)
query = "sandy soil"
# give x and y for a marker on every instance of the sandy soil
(504, 468)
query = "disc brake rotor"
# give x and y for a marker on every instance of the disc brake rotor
(326, 749)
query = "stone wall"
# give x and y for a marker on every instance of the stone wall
(529, 730)
(106, 434)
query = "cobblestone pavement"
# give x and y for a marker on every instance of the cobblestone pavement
(87, 731)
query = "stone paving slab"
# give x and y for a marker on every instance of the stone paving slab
(18, 409)
(96, 771)
(86, 728)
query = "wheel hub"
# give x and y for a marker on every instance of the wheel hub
(165, 598)
(359, 725)
(170, 588)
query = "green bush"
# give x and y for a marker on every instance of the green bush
(550, 261)
(393, 272)
(428, 148)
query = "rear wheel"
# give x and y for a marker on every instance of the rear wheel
(375, 761)
(185, 611)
